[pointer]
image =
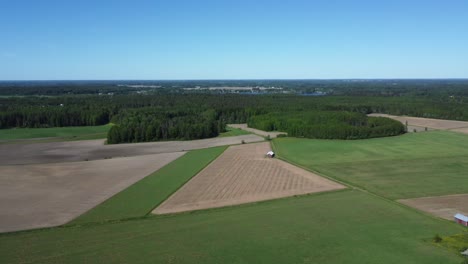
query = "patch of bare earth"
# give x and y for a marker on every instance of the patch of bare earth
(12, 154)
(256, 131)
(441, 206)
(45, 195)
(430, 123)
(243, 174)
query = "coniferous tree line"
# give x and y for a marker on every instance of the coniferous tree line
(327, 125)
(99, 110)
(184, 116)
(144, 125)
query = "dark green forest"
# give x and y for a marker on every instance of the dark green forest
(327, 124)
(165, 113)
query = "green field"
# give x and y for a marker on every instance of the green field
(24, 135)
(231, 132)
(64, 133)
(142, 197)
(337, 227)
(413, 165)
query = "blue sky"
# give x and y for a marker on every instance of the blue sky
(102, 40)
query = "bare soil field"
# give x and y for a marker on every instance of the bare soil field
(430, 123)
(461, 130)
(418, 129)
(256, 131)
(441, 206)
(45, 195)
(244, 174)
(54, 152)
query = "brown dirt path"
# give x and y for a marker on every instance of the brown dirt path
(256, 131)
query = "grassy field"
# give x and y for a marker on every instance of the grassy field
(22, 135)
(337, 227)
(231, 132)
(142, 197)
(413, 165)
(65, 133)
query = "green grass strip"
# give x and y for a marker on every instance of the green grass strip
(231, 132)
(142, 197)
(68, 133)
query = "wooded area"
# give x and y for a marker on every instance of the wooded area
(327, 125)
(176, 114)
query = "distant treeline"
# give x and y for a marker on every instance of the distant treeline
(133, 114)
(41, 112)
(84, 110)
(386, 87)
(327, 124)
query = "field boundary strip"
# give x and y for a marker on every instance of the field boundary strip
(187, 180)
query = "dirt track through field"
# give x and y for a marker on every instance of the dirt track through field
(54, 152)
(256, 131)
(442, 206)
(430, 123)
(243, 174)
(45, 195)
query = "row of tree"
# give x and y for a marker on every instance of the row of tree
(327, 125)
(152, 125)
(80, 110)
(140, 118)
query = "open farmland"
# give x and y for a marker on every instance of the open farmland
(244, 174)
(442, 206)
(409, 166)
(44, 195)
(331, 227)
(336, 227)
(430, 123)
(142, 197)
(95, 149)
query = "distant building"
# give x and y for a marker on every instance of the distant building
(461, 219)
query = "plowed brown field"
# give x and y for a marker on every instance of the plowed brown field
(442, 206)
(243, 174)
(430, 123)
(86, 150)
(45, 195)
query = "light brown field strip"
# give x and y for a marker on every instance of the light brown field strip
(45, 195)
(12, 154)
(459, 126)
(441, 206)
(244, 174)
